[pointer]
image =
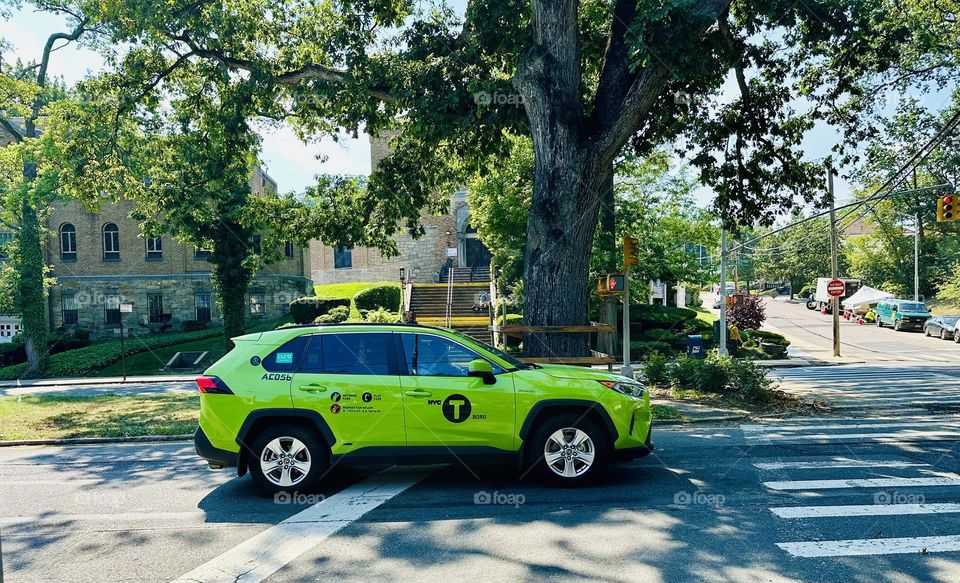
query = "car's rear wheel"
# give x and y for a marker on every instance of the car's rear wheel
(879, 322)
(569, 450)
(288, 459)
(926, 331)
(956, 336)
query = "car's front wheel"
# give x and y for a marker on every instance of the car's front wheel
(896, 326)
(943, 334)
(288, 459)
(570, 450)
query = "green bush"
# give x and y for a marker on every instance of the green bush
(658, 316)
(335, 315)
(661, 335)
(639, 349)
(766, 337)
(750, 379)
(712, 377)
(511, 320)
(193, 325)
(385, 296)
(717, 373)
(307, 309)
(382, 316)
(655, 369)
(84, 362)
(806, 291)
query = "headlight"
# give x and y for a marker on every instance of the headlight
(629, 389)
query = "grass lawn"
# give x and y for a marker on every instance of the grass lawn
(151, 362)
(347, 291)
(665, 412)
(55, 416)
(707, 316)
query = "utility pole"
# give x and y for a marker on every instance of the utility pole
(834, 267)
(627, 370)
(916, 243)
(723, 292)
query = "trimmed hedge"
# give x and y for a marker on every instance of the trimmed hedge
(382, 316)
(766, 337)
(639, 350)
(661, 335)
(386, 296)
(307, 309)
(84, 362)
(335, 315)
(658, 316)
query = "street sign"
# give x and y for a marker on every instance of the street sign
(126, 308)
(836, 288)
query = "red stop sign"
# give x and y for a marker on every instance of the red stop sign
(836, 288)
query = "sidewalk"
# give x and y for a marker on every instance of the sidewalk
(91, 381)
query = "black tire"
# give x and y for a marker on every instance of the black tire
(943, 334)
(879, 322)
(896, 326)
(315, 451)
(926, 332)
(956, 336)
(542, 439)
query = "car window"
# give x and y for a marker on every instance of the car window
(428, 355)
(913, 308)
(287, 357)
(358, 353)
(950, 321)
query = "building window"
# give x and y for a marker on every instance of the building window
(257, 243)
(155, 308)
(68, 242)
(202, 301)
(342, 258)
(112, 310)
(68, 303)
(201, 254)
(154, 248)
(288, 249)
(257, 307)
(111, 242)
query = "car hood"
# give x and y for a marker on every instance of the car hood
(565, 371)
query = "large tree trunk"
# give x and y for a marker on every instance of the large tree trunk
(29, 263)
(232, 276)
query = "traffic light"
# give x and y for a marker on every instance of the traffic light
(631, 252)
(947, 209)
(616, 283)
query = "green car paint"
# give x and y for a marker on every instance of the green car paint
(463, 398)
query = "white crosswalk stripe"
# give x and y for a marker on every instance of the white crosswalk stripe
(873, 386)
(897, 485)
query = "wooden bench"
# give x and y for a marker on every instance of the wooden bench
(596, 358)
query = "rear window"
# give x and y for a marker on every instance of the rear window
(287, 357)
(356, 353)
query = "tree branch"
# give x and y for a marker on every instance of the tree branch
(13, 131)
(310, 71)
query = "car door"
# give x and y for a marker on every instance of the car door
(353, 380)
(447, 409)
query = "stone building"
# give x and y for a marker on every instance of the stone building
(448, 241)
(101, 260)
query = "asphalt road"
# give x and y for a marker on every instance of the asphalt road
(828, 500)
(812, 336)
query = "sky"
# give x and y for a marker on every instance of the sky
(294, 164)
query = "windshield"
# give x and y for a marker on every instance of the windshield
(495, 351)
(912, 308)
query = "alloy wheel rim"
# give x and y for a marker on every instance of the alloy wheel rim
(285, 461)
(569, 452)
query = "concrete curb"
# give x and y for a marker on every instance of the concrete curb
(693, 421)
(97, 381)
(98, 440)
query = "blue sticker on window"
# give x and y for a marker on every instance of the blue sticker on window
(284, 358)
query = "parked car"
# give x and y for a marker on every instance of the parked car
(902, 314)
(942, 326)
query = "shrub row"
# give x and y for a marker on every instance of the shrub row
(335, 315)
(385, 296)
(307, 309)
(713, 374)
(86, 361)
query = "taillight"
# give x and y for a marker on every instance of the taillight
(213, 385)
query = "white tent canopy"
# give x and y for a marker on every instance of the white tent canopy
(865, 295)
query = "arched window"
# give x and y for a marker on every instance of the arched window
(111, 242)
(68, 242)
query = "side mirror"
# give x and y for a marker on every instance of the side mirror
(482, 369)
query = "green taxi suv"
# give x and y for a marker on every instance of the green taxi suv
(289, 404)
(902, 314)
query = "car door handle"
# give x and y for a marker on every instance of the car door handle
(313, 388)
(417, 393)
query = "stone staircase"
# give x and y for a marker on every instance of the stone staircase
(429, 303)
(466, 275)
